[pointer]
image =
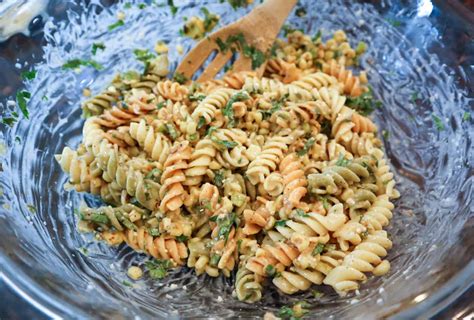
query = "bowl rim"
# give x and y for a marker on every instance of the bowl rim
(55, 307)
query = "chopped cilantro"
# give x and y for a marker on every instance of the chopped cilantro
(395, 23)
(128, 5)
(365, 104)
(341, 161)
(197, 97)
(300, 12)
(160, 105)
(361, 48)
(142, 6)
(257, 56)
(44, 98)
(325, 202)
(385, 134)
(307, 146)
(9, 121)
(115, 25)
(289, 29)
(96, 46)
(21, 99)
(126, 283)
(318, 249)
(172, 132)
(225, 225)
(276, 106)
(201, 122)
(154, 232)
(210, 130)
(281, 223)
(270, 270)
(301, 213)
(154, 174)
(228, 111)
(237, 3)
(364, 235)
(181, 238)
(28, 75)
(219, 178)
(438, 122)
(317, 36)
(84, 251)
(466, 116)
(214, 259)
(144, 55)
(317, 294)
(31, 208)
(414, 97)
(224, 144)
(18, 139)
(173, 8)
(76, 63)
(210, 19)
(180, 78)
(158, 268)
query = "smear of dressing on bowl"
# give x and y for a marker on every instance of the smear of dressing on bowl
(15, 16)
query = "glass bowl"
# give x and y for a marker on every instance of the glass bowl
(420, 66)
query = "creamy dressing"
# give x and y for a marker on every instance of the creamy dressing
(16, 15)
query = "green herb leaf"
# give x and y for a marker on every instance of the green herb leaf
(154, 175)
(289, 29)
(142, 6)
(341, 161)
(318, 249)
(276, 106)
(160, 105)
(393, 22)
(438, 122)
(76, 63)
(172, 132)
(300, 12)
(214, 260)
(144, 55)
(219, 178)
(228, 111)
(9, 121)
(210, 19)
(21, 100)
(126, 283)
(325, 202)
(270, 270)
(414, 97)
(281, 223)
(364, 235)
(286, 312)
(385, 134)
(237, 3)
(158, 268)
(210, 130)
(317, 36)
(31, 208)
(307, 146)
(182, 238)
(317, 294)
(257, 56)
(173, 8)
(201, 122)
(301, 213)
(180, 78)
(97, 46)
(154, 232)
(224, 144)
(365, 104)
(198, 97)
(225, 225)
(28, 75)
(115, 25)
(466, 116)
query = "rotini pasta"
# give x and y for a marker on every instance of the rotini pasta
(280, 178)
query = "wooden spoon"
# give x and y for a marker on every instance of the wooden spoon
(260, 28)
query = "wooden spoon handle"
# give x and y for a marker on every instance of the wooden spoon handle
(279, 9)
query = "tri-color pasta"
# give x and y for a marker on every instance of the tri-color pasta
(270, 180)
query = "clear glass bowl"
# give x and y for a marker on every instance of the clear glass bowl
(419, 61)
